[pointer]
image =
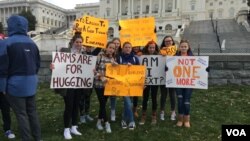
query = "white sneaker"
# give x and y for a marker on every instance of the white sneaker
(173, 116)
(67, 135)
(112, 115)
(124, 124)
(89, 118)
(9, 134)
(131, 126)
(99, 125)
(162, 116)
(83, 119)
(74, 131)
(107, 127)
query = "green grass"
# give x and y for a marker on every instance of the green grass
(209, 110)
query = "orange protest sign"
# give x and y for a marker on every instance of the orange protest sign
(93, 30)
(138, 31)
(124, 80)
(169, 51)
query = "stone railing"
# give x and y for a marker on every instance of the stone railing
(224, 69)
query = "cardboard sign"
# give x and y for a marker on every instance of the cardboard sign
(72, 70)
(138, 31)
(168, 51)
(125, 80)
(187, 72)
(93, 30)
(155, 65)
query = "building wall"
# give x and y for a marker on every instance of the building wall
(47, 15)
(173, 12)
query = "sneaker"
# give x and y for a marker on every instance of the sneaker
(107, 127)
(67, 135)
(131, 126)
(162, 116)
(9, 134)
(173, 116)
(112, 115)
(74, 131)
(89, 118)
(99, 125)
(124, 124)
(82, 119)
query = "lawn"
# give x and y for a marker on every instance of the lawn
(209, 110)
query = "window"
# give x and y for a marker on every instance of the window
(211, 4)
(192, 7)
(243, 1)
(108, 12)
(108, 1)
(220, 13)
(220, 3)
(111, 32)
(168, 27)
(232, 2)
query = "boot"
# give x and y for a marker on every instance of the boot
(135, 112)
(180, 121)
(143, 118)
(153, 122)
(187, 121)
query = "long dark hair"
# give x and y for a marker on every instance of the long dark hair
(119, 49)
(189, 51)
(145, 49)
(110, 42)
(76, 36)
(163, 41)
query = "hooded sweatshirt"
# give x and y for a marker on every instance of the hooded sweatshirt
(19, 60)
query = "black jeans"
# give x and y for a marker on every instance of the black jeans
(85, 101)
(153, 90)
(102, 104)
(5, 109)
(164, 92)
(71, 101)
(27, 117)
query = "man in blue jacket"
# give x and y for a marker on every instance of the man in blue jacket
(19, 64)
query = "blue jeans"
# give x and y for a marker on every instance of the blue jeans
(184, 96)
(112, 102)
(128, 114)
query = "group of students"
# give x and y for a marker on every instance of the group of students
(18, 83)
(126, 54)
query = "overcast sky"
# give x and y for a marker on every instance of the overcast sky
(70, 4)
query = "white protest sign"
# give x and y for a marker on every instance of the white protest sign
(187, 72)
(72, 70)
(155, 65)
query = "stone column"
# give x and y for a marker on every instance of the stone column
(141, 7)
(164, 6)
(132, 9)
(150, 6)
(128, 7)
(120, 7)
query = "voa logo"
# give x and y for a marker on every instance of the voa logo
(236, 132)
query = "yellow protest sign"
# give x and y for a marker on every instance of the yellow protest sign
(124, 80)
(138, 31)
(94, 31)
(169, 51)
